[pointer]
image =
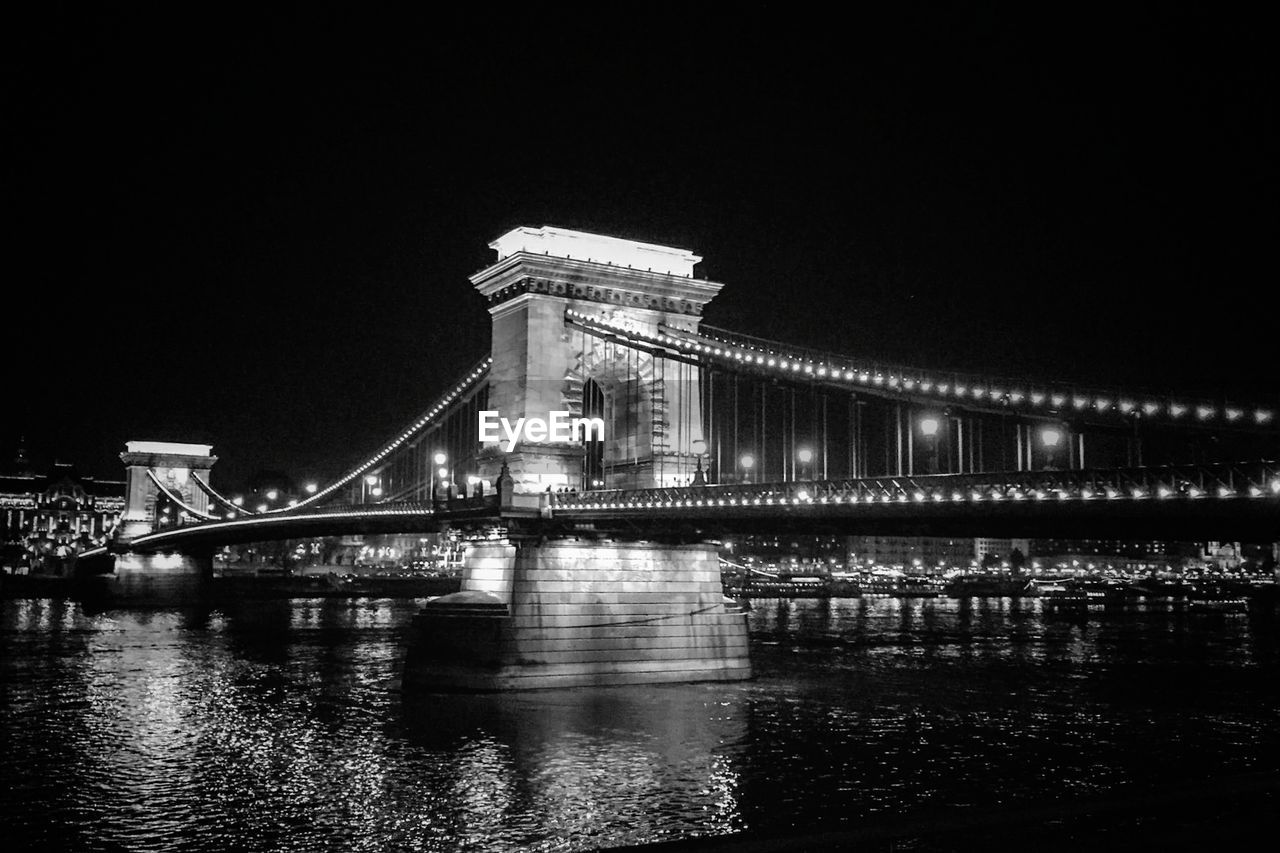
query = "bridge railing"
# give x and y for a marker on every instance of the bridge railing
(1249, 481)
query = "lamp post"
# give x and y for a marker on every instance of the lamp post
(805, 455)
(1050, 438)
(929, 429)
(699, 448)
(442, 472)
(747, 461)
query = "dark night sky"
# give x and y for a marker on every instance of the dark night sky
(255, 231)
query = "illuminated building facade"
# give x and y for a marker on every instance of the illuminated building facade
(1130, 555)
(49, 517)
(910, 552)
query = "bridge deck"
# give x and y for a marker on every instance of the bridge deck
(1206, 501)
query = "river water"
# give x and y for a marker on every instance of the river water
(279, 725)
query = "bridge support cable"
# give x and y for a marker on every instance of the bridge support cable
(442, 407)
(975, 392)
(177, 499)
(621, 336)
(957, 407)
(221, 499)
(311, 522)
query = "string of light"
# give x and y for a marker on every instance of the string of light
(440, 407)
(1207, 482)
(416, 510)
(229, 504)
(1035, 399)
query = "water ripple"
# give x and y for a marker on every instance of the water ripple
(278, 726)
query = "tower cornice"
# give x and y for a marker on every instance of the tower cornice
(592, 281)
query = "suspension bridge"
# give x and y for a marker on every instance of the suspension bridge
(592, 560)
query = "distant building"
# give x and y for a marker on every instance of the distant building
(1000, 548)
(910, 552)
(1132, 555)
(783, 547)
(51, 516)
(1222, 555)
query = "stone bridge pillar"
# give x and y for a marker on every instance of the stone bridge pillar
(160, 578)
(568, 612)
(541, 364)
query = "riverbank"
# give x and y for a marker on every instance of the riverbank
(244, 587)
(1110, 593)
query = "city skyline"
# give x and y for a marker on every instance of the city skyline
(276, 245)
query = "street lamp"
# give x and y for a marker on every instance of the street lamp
(929, 429)
(440, 458)
(805, 455)
(1050, 437)
(311, 488)
(747, 462)
(699, 448)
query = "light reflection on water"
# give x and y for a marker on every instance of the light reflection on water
(279, 725)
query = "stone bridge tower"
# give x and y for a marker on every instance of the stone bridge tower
(559, 610)
(174, 465)
(159, 578)
(541, 364)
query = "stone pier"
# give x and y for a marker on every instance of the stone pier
(161, 579)
(571, 613)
